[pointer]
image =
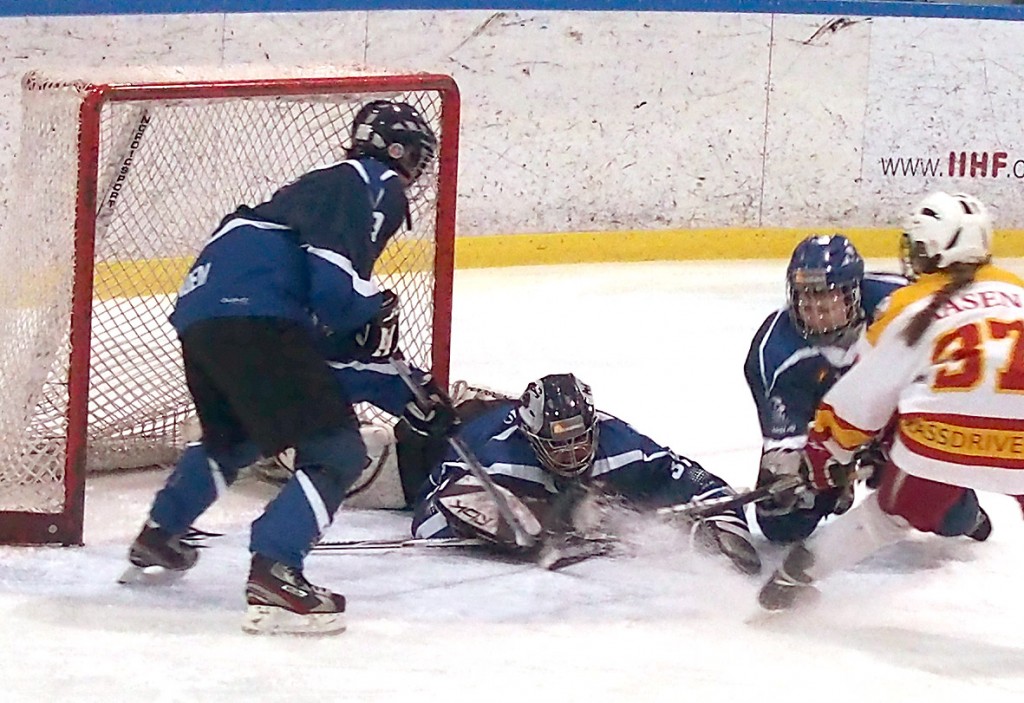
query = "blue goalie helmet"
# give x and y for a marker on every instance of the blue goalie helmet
(396, 134)
(823, 289)
(557, 415)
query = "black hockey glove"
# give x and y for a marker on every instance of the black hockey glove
(378, 340)
(827, 476)
(873, 456)
(779, 464)
(436, 416)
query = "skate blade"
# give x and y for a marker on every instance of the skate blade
(270, 620)
(149, 576)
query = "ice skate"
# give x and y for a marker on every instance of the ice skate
(982, 528)
(158, 557)
(790, 584)
(281, 601)
(730, 538)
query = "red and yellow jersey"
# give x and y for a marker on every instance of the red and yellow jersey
(958, 393)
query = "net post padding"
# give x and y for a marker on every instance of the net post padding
(119, 183)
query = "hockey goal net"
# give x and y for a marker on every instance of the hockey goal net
(118, 186)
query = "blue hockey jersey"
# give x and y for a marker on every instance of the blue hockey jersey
(788, 375)
(306, 254)
(627, 465)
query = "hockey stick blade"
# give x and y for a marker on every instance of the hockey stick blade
(523, 537)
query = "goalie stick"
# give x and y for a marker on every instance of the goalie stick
(368, 544)
(551, 557)
(522, 536)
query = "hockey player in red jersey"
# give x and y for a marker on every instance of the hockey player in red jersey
(946, 362)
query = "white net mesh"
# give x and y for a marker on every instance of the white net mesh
(168, 171)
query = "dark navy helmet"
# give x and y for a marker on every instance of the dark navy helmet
(396, 134)
(823, 288)
(557, 415)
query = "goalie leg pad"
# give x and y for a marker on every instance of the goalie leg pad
(379, 486)
(728, 535)
(471, 512)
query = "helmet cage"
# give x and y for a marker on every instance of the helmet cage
(570, 457)
(396, 134)
(914, 258)
(823, 289)
(557, 415)
(820, 310)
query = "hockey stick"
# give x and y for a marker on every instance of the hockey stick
(550, 557)
(368, 544)
(523, 537)
(717, 506)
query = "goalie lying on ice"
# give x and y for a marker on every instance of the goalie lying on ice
(552, 454)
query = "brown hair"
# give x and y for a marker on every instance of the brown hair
(961, 276)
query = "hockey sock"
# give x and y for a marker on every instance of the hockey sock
(196, 482)
(295, 519)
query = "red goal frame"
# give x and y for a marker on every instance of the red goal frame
(66, 527)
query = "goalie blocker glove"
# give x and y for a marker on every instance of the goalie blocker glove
(471, 512)
(378, 340)
(435, 416)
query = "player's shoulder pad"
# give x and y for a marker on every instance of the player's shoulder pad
(617, 436)
(774, 323)
(877, 286)
(885, 278)
(901, 299)
(776, 342)
(991, 272)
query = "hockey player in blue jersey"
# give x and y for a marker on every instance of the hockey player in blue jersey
(798, 353)
(277, 290)
(552, 444)
(796, 356)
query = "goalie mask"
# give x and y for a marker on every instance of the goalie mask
(945, 229)
(557, 415)
(823, 289)
(396, 134)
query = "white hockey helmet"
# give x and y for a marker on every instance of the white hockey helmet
(945, 229)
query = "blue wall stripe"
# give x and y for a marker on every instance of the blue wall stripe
(18, 8)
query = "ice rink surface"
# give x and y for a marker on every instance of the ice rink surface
(663, 345)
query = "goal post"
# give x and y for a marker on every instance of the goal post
(118, 184)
